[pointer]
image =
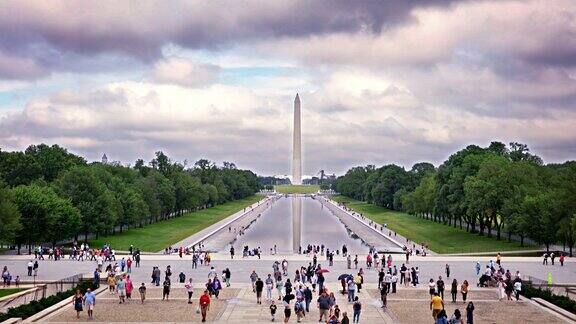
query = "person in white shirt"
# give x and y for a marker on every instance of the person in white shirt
(388, 281)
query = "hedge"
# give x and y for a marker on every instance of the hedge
(560, 301)
(27, 310)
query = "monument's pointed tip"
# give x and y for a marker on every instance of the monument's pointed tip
(297, 97)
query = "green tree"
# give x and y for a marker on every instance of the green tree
(9, 215)
(96, 203)
(45, 216)
(18, 168)
(541, 221)
(53, 159)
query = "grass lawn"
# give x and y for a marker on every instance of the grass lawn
(299, 189)
(157, 236)
(439, 237)
(9, 291)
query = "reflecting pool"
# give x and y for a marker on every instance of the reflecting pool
(295, 221)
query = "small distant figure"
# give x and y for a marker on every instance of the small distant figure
(142, 291)
(273, 311)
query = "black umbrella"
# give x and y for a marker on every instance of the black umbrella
(344, 276)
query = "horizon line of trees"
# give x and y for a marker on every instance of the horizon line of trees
(497, 189)
(48, 195)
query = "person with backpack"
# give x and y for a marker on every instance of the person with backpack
(357, 307)
(259, 286)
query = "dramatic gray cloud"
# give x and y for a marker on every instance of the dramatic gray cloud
(380, 81)
(62, 29)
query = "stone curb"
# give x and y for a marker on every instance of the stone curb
(55, 308)
(20, 293)
(554, 308)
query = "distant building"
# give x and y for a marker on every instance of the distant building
(104, 159)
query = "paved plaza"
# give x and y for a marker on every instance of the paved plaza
(462, 268)
(237, 304)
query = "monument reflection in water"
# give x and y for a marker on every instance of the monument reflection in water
(296, 221)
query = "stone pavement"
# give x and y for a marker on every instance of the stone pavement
(413, 306)
(238, 305)
(235, 305)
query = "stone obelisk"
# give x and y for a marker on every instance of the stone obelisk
(297, 145)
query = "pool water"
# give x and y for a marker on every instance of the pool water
(295, 221)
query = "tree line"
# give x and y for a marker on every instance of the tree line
(487, 190)
(48, 195)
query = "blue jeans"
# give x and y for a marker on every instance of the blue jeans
(351, 295)
(356, 317)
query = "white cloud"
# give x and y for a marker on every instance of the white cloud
(184, 72)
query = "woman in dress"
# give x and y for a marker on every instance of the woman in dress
(129, 287)
(78, 300)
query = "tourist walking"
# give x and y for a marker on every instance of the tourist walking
(273, 311)
(166, 289)
(227, 276)
(190, 290)
(447, 270)
(470, 313)
(351, 285)
(454, 290)
(432, 288)
(259, 285)
(436, 305)
(142, 291)
(464, 289)
(253, 278)
(384, 296)
(78, 301)
(517, 289)
(30, 265)
(323, 305)
(501, 288)
(269, 287)
(90, 301)
(440, 286)
(121, 288)
(204, 305)
(357, 307)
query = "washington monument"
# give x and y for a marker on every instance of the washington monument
(297, 145)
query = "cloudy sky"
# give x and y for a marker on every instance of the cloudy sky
(380, 81)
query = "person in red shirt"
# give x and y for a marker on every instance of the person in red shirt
(204, 304)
